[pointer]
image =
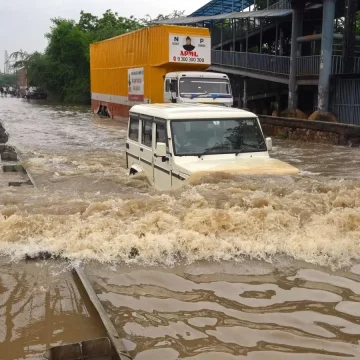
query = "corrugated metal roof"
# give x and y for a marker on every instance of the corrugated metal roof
(232, 15)
(215, 7)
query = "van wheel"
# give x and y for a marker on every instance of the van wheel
(103, 111)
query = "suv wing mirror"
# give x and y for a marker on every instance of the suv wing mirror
(268, 144)
(160, 149)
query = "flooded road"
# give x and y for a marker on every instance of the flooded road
(225, 268)
(233, 311)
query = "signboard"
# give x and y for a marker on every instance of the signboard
(189, 49)
(136, 84)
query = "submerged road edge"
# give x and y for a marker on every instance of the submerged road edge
(27, 171)
(110, 329)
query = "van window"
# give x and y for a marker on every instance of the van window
(174, 85)
(146, 137)
(167, 85)
(134, 129)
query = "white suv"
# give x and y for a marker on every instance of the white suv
(169, 142)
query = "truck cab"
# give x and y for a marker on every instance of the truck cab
(171, 142)
(197, 87)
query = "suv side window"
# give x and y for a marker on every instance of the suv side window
(161, 135)
(146, 135)
(134, 129)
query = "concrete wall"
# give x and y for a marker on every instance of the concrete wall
(311, 131)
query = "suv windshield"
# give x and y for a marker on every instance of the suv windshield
(204, 86)
(223, 136)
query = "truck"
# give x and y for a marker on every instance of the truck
(157, 64)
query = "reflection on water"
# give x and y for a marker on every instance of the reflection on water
(223, 311)
(217, 300)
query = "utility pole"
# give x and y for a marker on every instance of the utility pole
(327, 38)
(6, 63)
(297, 24)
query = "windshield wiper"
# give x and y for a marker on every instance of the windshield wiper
(206, 152)
(193, 96)
(209, 150)
(247, 146)
(218, 96)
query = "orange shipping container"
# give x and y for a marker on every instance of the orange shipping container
(129, 69)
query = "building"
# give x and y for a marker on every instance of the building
(22, 81)
(291, 54)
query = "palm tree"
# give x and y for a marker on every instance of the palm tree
(20, 58)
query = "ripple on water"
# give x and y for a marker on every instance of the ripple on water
(184, 316)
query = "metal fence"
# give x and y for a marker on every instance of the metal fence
(357, 65)
(310, 65)
(345, 101)
(305, 65)
(282, 4)
(258, 62)
(337, 64)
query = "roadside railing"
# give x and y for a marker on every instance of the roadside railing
(253, 61)
(337, 65)
(305, 65)
(280, 5)
(357, 65)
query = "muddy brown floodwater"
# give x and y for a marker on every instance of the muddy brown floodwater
(225, 268)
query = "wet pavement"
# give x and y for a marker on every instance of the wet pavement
(225, 268)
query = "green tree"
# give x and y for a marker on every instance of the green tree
(19, 58)
(148, 20)
(7, 80)
(67, 55)
(263, 4)
(111, 24)
(87, 22)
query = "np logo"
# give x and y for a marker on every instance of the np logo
(176, 38)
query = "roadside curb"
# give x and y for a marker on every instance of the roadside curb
(10, 155)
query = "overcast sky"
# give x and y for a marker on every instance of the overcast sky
(23, 23)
